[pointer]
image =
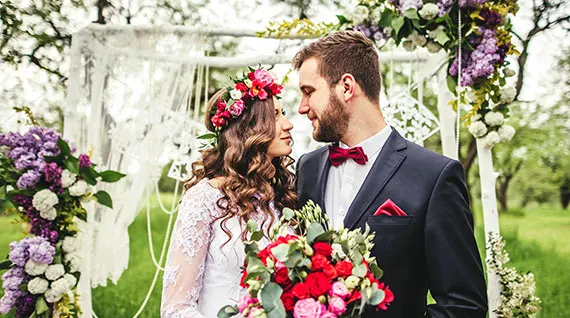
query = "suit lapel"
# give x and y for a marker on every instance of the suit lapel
(322, 177)
(382, 170)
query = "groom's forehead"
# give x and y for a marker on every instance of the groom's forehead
(309, 73)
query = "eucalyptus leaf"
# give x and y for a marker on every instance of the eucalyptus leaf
(315, 229)
(281, 252)
(271, 296)
(359, 270)
(377, 297)
(288, 214)
(228, 311)
(257, 235)
(251, 226)
(377, 271)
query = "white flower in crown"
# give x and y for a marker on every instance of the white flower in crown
(508, 95)
(235, 94)
(38, 285)
(491, 139)
(478, 129)
(360, 14)
(71, 280)
(494, 118)
(50, 214)
(247, 82)
(79, 188)
(44, 200)
(55, 271)
(506, 133)
(70, 244)
(67, 178)
(35, 268)
(429, 11)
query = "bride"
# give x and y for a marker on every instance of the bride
(243, 176)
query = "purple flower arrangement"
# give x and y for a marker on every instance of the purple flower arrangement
(43, 179)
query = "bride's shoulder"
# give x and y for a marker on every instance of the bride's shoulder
(200, 199)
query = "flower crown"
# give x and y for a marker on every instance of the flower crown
(257, 84)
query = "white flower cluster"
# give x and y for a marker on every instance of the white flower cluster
(518, 291)
(44, 201)
(68, 178)
(429, 11)
(360, 14)
(415, 40)
(70, 246)
(491, 129)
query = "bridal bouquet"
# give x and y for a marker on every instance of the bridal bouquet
(316, 272)
(46, 184)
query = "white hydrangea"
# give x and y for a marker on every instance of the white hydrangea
(71, 280)
(508, 95)
(49, 214)
(376, 14)
(494, 118)
(478, 129)
(433, 47)
(509, 72)
(506, 133)
(38, 285)
(60, 286)
(491, 139)
(79, 188)
(52, 296)
(235, 94)
(67, 178)
(476, 117)
(74, 261)
(360, 14)
(70, 244)
(35, 268)
(429, 11)
(44, 200)
(55, 271)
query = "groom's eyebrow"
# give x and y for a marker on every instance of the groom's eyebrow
(306, 87)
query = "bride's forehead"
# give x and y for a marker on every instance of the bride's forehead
(277, 103)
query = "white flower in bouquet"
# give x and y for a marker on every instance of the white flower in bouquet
(44, 200)
(494, 118)
(360, 14)
(351, 282)
(508, 95)
(35, 268)
(60, 286)
(79, 188)
(478, 129)
(433, 47)
(70, 244)
(71, 280)
(52, 296)
(509, 72)
(506, 133)
(67, 178)
(376, 14)
(235, 94)
(38, 285)
(491, 139)
(74, 261)
(50, 214)
(429, 11)
(55, 271)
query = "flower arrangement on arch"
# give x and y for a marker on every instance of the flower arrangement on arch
(47, 184)
(485, 43)
(316, 272)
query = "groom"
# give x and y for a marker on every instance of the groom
(415, 200)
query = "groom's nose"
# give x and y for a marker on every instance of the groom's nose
(303, 107)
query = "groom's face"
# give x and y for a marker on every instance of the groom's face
(321, 104)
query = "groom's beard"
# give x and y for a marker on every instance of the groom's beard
(333, 122)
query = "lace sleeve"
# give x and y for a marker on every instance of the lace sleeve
(187, 256)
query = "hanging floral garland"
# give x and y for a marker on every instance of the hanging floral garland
(485, 43)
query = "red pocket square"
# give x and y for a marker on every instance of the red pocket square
(389, 208)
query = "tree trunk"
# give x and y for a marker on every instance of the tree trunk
(565, 194)
(502, 192)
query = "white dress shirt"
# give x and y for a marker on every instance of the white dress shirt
(345, 180)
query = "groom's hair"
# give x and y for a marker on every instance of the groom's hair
(345, 52)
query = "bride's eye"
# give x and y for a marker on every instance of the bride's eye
(283, 112)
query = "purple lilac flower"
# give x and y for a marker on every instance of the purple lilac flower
(13, 278)
(491, 18)
(19, 253)
(471, 3)
(36, 248)
(42, 252)
(8, 302)
(372, 32)
(444, 6)
(84, 161)
(52, 174)
(28, 180)
(26, 306)
(40, 226)
(404, 5)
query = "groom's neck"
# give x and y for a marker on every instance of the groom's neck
(362, 125)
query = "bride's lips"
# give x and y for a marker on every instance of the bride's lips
(287, 139)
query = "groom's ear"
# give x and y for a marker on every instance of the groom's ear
(348, 84)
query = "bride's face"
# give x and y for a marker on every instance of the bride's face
(281, 144)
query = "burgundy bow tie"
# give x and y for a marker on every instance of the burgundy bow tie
(338, 155)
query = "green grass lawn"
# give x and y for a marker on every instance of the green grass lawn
(538, 240)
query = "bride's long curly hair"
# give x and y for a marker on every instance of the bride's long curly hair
(251, 181)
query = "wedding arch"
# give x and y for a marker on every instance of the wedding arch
(134, 99)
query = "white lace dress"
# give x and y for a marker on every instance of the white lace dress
(201, 276)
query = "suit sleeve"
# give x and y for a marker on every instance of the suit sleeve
(455, 273)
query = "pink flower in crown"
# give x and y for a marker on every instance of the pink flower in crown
(308, 308)
(237, 108)
(263, 77)
(328, 314)
(218, 121)
(221, 106)
(337, 306)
